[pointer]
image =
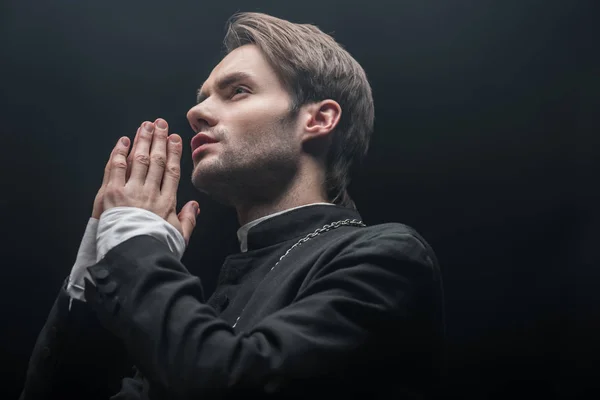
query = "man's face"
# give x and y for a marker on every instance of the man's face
(244, 106)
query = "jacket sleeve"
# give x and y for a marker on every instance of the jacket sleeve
(74, 357)
(367, 298)
(132, 388)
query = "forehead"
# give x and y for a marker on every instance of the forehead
(247, 59)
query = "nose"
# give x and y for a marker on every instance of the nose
(200, 117)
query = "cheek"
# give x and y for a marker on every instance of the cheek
(253, 115)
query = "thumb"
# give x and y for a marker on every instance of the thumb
(187, 218)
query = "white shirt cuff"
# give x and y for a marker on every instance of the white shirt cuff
(122, 223)
(86, 257)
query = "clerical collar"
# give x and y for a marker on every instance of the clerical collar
(291, 223)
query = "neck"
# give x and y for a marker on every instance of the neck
(301, 193)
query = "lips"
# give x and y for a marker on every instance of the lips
(200, 139)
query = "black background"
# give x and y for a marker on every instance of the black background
(485, 142)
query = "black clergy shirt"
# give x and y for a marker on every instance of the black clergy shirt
(354, 312)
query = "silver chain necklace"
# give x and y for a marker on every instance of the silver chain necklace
(333, 225)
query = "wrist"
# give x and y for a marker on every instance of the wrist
(119, 224)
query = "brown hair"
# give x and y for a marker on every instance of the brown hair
(314, 67)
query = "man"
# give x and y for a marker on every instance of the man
(315, 303)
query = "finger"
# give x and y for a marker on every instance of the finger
(130, 156)
(187, 218)
(118, 168)
(106, 176)
(158, 155)
(141, 156)
(172, 173)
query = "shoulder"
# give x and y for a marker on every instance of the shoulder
(391, 240)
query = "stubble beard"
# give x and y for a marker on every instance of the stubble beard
(257, 173)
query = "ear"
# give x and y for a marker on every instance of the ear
(321, 119)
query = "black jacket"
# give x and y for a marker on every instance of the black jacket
(354, 312)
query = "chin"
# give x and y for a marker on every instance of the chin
(212, 183)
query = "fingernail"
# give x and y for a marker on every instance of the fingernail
(148, 126)
(174, 139)
(161, 123)
(125, 141)
(196, 209)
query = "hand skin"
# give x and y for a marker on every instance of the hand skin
(147, 177)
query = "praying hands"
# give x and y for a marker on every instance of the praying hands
(147, 177)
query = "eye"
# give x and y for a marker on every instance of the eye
(239, 90)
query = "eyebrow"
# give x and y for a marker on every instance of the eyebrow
(224, 82)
